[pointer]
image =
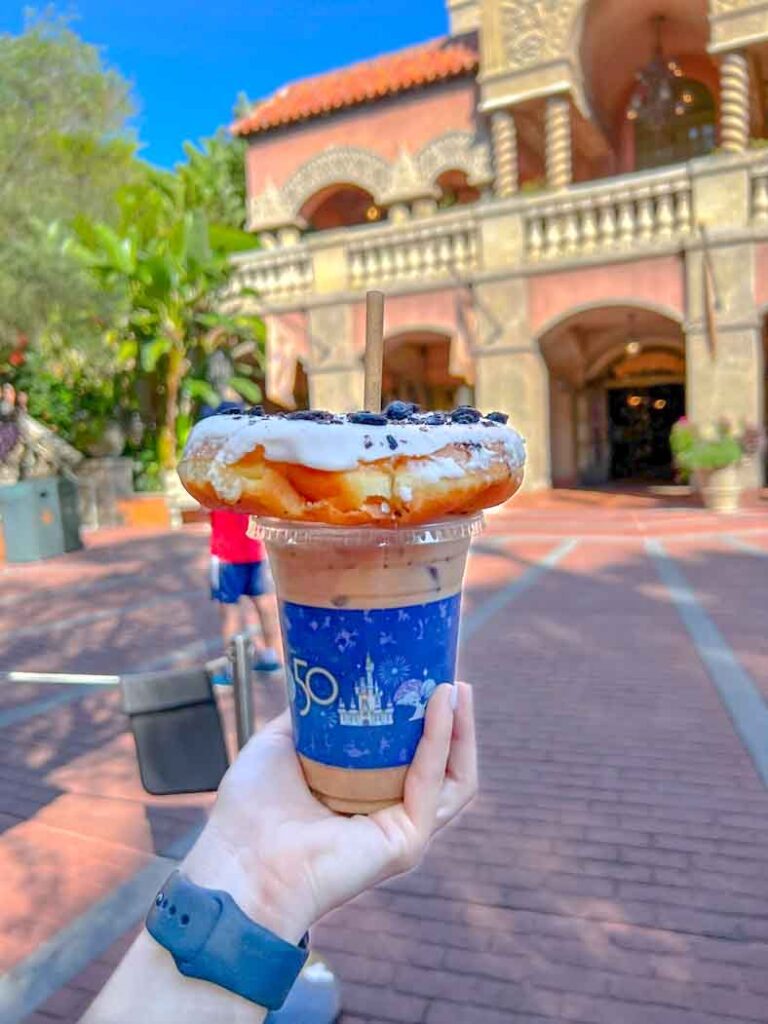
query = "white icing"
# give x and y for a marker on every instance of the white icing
(341, 446)
(434, 469)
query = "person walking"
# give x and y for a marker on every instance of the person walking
(238, 570)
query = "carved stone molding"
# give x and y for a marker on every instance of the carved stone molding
(719, 6)
(338, 164)
(407, 181)
(460, 151)
(736, 24)
(268, 210)
(535, 31)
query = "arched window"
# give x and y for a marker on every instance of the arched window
(340, 206)
(455, 190)
(689, 132)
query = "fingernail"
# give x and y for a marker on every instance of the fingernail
(454, 696)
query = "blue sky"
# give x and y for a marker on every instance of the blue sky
(189, 59)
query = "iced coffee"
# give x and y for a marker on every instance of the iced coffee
(367, 520)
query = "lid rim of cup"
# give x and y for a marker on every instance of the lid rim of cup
(295, 533)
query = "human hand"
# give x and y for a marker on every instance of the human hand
(287, 860)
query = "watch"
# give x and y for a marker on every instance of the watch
(210, 938)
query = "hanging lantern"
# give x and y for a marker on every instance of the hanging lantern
(655, 99)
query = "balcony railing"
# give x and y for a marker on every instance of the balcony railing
(652, 210)
(440, 246)
(639, 210)
(277, 273)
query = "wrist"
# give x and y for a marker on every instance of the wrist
(253, 885)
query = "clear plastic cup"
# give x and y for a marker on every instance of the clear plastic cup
(370, 623)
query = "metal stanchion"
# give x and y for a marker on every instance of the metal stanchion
(241, 659)
(316, 997)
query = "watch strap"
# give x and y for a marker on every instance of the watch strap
(210, 938)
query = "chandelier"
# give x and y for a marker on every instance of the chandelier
(657, 96)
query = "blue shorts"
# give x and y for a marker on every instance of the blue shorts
(232, 580)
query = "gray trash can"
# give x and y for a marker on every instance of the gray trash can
(40, 518)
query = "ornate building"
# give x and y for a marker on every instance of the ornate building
(365, 708)
(566, 202)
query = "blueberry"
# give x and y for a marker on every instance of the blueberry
(392, 442)
(367, 441)
(498, 417)
(400, 410)
(230, 412)
(312, 415)
(256, 410)
(465, 414)
(435, 419)
(369, 419)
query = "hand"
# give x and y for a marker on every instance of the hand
(287, 860)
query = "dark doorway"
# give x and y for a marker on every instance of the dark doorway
(640, 423)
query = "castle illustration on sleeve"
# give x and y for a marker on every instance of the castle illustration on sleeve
(365, 708)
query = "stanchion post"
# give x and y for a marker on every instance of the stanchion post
(241, 655)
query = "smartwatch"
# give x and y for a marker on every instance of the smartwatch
(210, 938)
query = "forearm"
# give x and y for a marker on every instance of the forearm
(147, 987)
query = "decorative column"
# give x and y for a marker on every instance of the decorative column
(558, 125)
(734, 101)
(504, 132)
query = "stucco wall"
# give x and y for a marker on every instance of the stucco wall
(409, 121)
(657, 283)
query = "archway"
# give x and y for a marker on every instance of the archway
(617, 45)
(417, 369)
(617, 385)
(340, 206)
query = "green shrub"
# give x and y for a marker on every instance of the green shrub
(695, 449)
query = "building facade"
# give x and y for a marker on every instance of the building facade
(566, 204)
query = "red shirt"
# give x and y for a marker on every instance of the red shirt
(228, 539)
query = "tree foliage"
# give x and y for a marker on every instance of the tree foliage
(113, 274)
(168, 277)
(213, 178)
(64, 148)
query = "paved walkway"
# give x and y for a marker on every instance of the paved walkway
(614, 868)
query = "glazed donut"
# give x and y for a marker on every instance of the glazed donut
(399, 466)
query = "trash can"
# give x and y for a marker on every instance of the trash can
(40, 518)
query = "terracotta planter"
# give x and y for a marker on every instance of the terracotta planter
(720, 488)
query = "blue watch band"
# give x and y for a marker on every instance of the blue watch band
(210, 938)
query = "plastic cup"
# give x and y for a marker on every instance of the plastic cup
(370, 624)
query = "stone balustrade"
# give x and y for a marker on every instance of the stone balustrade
(630, 213)
(759, 177)
(440, 246)
(636, 210)
(277, 273)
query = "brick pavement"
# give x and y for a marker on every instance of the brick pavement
(613, 869)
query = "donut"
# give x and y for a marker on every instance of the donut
(401, 466)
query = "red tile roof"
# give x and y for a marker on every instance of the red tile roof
(392, 73)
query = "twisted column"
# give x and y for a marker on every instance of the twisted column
(734, 102)
(558, 124)
(504, 132)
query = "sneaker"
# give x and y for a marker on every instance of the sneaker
(267, 661)
(221, 677)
